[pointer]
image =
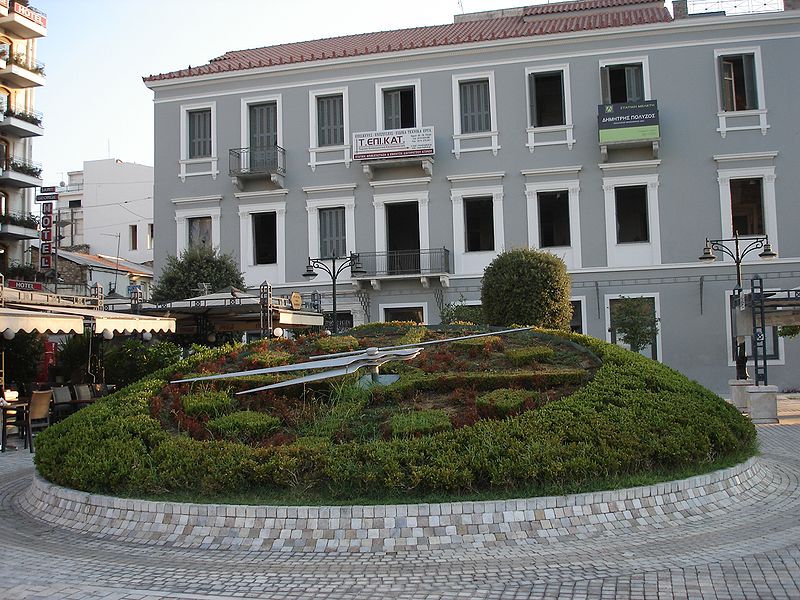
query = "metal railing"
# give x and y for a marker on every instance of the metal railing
(257, 160)
(34, 117)
(34, 66)
(21, 219)
(72, 187)
(405, 262)
(23, 166)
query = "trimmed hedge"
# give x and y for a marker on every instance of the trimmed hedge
(505, 402)
(419, 422)
(245, 426)
(208, 403)
(524, 357)
(636, 416)
(333, 344)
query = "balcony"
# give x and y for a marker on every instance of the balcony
(21, 123)
(267, 163)
(21, 72)
(19, 226)
(3, 8)
(23, 20)
(406, 264)
(394, 148)
(21, 173)
(628, 125)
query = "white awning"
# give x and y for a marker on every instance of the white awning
(29, 321)
(113, 321)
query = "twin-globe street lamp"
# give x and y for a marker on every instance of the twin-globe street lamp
(738, 254)
(356, 268)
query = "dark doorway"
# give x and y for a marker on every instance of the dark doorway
(402, 237)
(405, 313)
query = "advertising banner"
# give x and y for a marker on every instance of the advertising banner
(628, 122)
(393, 143)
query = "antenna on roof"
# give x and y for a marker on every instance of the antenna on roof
(461, 6)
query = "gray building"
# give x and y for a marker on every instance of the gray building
(604, 131)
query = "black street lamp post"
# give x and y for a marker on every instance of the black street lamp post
(738, 254)
(353, 261)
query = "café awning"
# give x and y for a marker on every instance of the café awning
(100, 320)
(29, 321)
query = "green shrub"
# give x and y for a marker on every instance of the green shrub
(523, 357)
(333, 344)
(489, 342)
(505, 402)
(419, 422)
(527, 286)
(460, 313)
(245, 426)
(207, 403)
(134, 359)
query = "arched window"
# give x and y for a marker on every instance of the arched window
(5, 100)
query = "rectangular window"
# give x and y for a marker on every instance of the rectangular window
(479, 224)
(265, 238)
(150, 236)
(399, 111)
(631, 212)
(622, 83)
(547, 99)
(200, 231)
(263, 135)
(645, 304)
(747, 206)
(330, 120)
(200, 133)
(475, 106)
(738, 82)
(553, 218)
(332, 233)
(576, 322)
(405, 313)
(133, 232)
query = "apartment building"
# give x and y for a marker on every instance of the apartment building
(21, 25)
(605, 131)
(107, 208)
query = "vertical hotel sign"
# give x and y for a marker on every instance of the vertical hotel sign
(46, 239)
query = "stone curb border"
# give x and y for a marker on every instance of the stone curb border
(386, 528)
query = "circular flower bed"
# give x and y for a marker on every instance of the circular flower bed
(492, 416)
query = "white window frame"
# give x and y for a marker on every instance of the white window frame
(474, 263)
(548, 133)
(261, 202)
(584, 320)
(245, 111)
(781, 360)
(133, 235)
(571, 255)
(492, 136)
(314, 150)
(627, 60)
(634, 254)
(657, 301)
(313, 206)
(211, 161)
(424, 305)
(392, 85)
(741, 120)
(767, 175)
(198, 206)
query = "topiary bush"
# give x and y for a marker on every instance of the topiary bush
(528, 356)
(419, 422)
(207, 403)
(529, 287)
(504, 402)
(246, 426)
(335, 343)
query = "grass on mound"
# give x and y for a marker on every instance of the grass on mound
(589, 424)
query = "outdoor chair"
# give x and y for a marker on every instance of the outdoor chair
(40, 408)
(62, 402)
(83, 393)
(99, 390)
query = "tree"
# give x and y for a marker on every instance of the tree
(635, 321)
(527, 287)
(197, 264)
(23, 355)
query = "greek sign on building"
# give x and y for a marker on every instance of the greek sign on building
(393, 143)
(628, 122)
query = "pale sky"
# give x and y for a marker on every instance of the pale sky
(96, 52)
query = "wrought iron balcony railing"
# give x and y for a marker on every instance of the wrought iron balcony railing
(34, 66)
(23, 166)
(257, 160)
(33, 117)
(435, 261)
(21, 219)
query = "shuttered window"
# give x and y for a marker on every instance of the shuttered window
(398, 108)
(200, 133)
(622, 83)
(330, 120)
(475, 106)
(332, 234)
(263, 135)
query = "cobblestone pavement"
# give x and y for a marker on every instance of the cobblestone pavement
(753, 551)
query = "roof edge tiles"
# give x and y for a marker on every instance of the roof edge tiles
(527, 21)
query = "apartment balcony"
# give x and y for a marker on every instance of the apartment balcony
(22, 20)
(424, 264)
(19, 226)
(394, 148)
(628, 125)
(21, 123)
(21, 72)
(257, 163)
(21, 173)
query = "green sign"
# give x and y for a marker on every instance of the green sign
(628, 122)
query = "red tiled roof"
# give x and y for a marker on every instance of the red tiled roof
(591, 14)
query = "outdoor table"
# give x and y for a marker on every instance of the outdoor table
(20, 408)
